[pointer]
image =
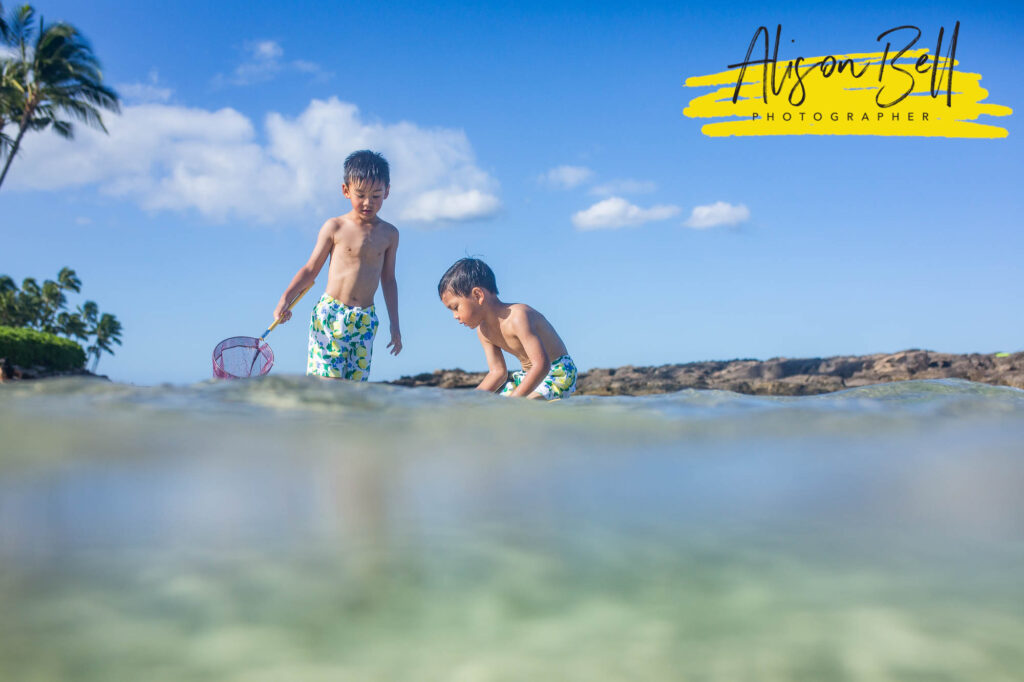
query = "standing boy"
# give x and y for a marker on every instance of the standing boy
(362, 249)
(468, 289)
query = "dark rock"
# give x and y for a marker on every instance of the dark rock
(12, 372)
(6, 370)
(443, 378)
(777, 376)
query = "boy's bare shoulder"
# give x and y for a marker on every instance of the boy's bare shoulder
(522, 314)
(390, 230)
(333, 225)
(522, 309)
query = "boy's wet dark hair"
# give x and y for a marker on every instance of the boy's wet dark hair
(369, 167)
(465, 274)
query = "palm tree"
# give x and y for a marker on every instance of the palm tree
(107, 331)
(8, 100)
(9, 316)
(56, 79)
(6, 91)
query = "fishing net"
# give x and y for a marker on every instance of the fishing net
(241, 357)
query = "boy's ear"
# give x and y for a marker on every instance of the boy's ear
(477, 294)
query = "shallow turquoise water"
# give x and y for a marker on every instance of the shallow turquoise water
(292, 529)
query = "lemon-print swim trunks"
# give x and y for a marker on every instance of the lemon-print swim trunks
(340, 340)
(559, 383)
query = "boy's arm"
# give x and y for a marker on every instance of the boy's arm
(307, 274)
(540, 365)
(497, 372)
(389, 286)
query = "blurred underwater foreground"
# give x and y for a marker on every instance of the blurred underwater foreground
(288, 528)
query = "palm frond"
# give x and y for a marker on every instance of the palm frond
(64, 128)
(4, 30)
(69, 279)
(69, 77)
(19, 27)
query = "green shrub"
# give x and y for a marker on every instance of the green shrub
(29, 348)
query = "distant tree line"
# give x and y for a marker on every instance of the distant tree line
(44, 308)
(49, 76)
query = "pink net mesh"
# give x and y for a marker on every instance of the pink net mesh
(241, 357)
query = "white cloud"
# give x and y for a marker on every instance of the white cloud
(306, 67)
(146, 92)
(266, 49)
(165, 157)
(716, 214)
(440, 205)
(265, 62)
(624, 187)
(566, 177)
(617, 212)
(143, 92)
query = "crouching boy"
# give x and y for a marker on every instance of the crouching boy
(468, 289)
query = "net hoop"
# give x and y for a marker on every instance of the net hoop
(241, 357)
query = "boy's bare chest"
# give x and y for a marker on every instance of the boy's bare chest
(363, 245)
(508, 342)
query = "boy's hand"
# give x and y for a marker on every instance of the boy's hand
(281, 313)
(396, 343)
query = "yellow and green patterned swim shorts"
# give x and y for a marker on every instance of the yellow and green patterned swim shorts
(559, 383)
(340, 340)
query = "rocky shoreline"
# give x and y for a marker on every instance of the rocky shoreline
(777, 376)
(12, 372)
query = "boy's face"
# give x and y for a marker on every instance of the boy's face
(366, 197)
(466, 309)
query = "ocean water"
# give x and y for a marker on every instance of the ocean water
(287, 528)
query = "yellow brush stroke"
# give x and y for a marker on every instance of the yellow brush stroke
(919, 114)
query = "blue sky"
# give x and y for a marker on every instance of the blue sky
(189, 220)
